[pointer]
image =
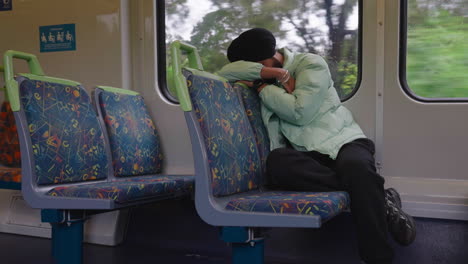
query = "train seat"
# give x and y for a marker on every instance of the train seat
(9, 146)
(66, 160)
(133, 138)
(10, 157)
(251, 103)
(230, 145)
(234, 160)
(10, 178)
(126, 191)
(325, 204)
(10, 161)
(135, 151)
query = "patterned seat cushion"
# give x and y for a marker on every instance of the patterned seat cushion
(252, 106)
(185, 183)
(9, 145)
(324, 204)
(9, 174)
(128, 190)
(228, 138)
(67, 140)
(132, 134)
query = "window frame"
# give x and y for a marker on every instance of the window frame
(402, 63)
(161, 52)
(359, 55)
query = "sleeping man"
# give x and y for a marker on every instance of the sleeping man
(316, 144)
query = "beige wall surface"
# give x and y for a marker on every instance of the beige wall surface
(96, 60)
(424, 144)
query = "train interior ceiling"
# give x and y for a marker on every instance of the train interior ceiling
(399, 66)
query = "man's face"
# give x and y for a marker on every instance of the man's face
(272, 62)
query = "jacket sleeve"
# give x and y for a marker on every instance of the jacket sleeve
(312, 83)
(241, 70)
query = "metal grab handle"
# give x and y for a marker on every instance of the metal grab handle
(11, 84)
(179, 80)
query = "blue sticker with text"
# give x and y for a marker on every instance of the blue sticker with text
(6, 5)
(57, 37)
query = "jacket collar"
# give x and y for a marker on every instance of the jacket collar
(288, 57)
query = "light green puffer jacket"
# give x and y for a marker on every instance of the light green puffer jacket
(312, 117)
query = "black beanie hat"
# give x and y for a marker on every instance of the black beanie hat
(254, 45)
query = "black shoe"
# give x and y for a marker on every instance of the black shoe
(392, 195)
(400, 224)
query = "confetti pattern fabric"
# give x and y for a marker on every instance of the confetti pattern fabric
(126, 190)
(184, 183)
(10, 154)
(67, 140)
(9, 174)
(229, 141)
(214, 103)
(323, 204)
(132, 134)
(252, 106)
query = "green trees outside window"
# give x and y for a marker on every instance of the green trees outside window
(437, 48)
(325, 27)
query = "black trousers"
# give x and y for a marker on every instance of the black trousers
(353, 171)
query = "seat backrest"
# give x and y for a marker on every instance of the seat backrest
(10, 154)
(228, 138)
(133, 137)
(252, 106)
(67, 143)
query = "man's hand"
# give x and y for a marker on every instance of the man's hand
(280, 74)
(287, 81)
(290, 85)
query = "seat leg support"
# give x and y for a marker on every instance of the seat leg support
(67, 242)
(67, 236)
(248, 253)
(246, 248)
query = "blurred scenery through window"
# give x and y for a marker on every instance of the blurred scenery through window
(437, 48)
(325, 27)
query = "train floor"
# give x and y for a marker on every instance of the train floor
(180, 236)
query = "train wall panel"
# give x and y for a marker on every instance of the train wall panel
(97, 58)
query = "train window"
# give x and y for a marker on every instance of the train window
(434, 49)
(329, 28)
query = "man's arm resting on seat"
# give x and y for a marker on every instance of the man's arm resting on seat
(241, 70)
(249, 71)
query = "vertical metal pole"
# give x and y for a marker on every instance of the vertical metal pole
(380, 83)
(126, 47)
